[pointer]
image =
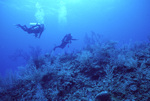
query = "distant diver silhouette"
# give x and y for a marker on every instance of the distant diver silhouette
(66, 40)
(35, 28)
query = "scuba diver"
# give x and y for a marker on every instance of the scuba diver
(35, 28)
(66, 40)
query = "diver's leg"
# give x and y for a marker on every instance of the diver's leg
(18, 25)
(56, 47)
(24, 27)
(63, 45)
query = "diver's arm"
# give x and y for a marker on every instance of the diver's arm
(40, 34)
(41, 30)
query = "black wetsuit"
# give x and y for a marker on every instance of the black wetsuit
(36, 29)
(66, 40)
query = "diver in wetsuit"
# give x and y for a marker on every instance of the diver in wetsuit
(66, 40)
(36, 29)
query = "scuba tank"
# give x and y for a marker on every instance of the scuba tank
(33, 24)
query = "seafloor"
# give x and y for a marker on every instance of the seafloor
(123, 71)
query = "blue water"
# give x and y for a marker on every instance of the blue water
(120, 20)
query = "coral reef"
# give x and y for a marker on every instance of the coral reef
(122, 72)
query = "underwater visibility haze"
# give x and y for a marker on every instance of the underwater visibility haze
(75, 50)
